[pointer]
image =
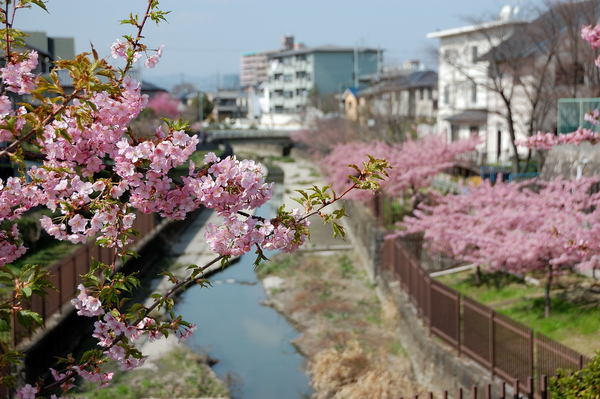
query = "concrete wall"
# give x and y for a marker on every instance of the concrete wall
(437, 366)
(568, 161)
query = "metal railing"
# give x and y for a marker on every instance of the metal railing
(65, 275)
(508, 349)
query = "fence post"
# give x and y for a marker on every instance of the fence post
(531, 364)
(516, 389)
(460, 393)
(544, 387)
(531, 393)
(458, 324)
(580, 362)
(429, 304)
(60, 287)
(503, 391)
(474, 392)
(489, 391)
(492, 342)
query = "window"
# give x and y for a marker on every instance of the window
(473, 93)
(429, 94)
(301, 74)
(277, 76)
(288, 77)
(301, 57)
(474, 131)
(454, 133)
(474, 55)
(447, 94)
(279, 109)
(288, 94)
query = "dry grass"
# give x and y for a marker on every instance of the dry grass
(348, 335)
(352, 374)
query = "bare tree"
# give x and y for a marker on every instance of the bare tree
(531, 65)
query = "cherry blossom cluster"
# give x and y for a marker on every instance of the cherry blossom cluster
(11, 247)
(545, 141)
(591, 34)
(238, 235)
(414, 163)
(231, 185)
(516, 227)
(87, 305)
(17, 75)
(592, 117)
(121, 50)
(164, 105)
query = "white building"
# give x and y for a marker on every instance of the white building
(466, 106)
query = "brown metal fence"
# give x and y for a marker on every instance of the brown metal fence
(507, 348)
(66, 273)
(515, 390)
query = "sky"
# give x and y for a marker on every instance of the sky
(206, 37)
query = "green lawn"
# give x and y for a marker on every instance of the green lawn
(574, 322)
(46, 253)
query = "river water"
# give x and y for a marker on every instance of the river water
(250, 341)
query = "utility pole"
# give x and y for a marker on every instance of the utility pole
(200, 106)
(355, 66)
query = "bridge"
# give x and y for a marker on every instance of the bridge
(278, 141)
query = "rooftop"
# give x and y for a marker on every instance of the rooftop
(324, 49)
(473, 28)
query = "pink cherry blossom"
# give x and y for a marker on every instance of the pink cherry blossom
(17, 75)
(591, 34)
(87, 305)
(153, 59)
(27, 392)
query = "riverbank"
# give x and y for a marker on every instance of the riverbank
(348, 335)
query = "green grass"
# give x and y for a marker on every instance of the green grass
(573, 323)
(275, 265)
(47, 253)
(178, 374)
(494, 287)
(275, 158)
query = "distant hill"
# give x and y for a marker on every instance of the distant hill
(205, 83)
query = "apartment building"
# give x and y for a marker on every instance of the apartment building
(303, 75)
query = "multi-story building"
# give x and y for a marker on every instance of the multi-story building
(501, 80)
(253, 68)
(304, 75)
(463, 77)
(50, 49)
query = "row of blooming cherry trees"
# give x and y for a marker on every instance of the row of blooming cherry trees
(96, 172)
(547, 226)
(414, 163)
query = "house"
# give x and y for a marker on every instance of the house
(463, 77)
(229, 104)
(410, 95)
(501, 80)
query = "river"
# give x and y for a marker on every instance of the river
(250, 341)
